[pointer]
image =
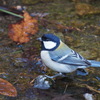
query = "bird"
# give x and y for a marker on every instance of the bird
(57, 56)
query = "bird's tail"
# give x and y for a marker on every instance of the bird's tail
(94, 63)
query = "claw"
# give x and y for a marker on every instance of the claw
(82, 72)
(59, 74)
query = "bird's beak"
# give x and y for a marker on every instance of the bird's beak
(39, 39)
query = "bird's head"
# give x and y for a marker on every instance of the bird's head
(49, 42)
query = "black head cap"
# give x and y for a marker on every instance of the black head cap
(51, 37)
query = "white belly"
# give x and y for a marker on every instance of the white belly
(64, 68)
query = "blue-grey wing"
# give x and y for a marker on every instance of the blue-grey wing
(68, 57)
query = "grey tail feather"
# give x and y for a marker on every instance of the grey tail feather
(94, 63)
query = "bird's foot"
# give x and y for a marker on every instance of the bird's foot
(56, 75)
(82, 72)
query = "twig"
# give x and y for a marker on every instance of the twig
(90, 88)
(57, 25)
(65, 89)
(4, 9)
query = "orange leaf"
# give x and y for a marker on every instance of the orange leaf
(21, 31)
(7, 88)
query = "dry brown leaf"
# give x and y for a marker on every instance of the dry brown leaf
(21, 31)
(7, 88)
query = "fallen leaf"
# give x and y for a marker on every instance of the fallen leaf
(21, 31)
(7, 88)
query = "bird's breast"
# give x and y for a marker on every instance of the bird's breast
(64, 68)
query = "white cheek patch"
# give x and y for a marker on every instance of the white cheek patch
(49, 44)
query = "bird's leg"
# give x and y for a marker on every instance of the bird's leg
(82, 72)
(59, 74)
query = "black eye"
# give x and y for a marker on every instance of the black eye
(45, 39)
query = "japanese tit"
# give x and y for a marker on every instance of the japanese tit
(59, 57)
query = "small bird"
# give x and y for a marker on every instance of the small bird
(59, 57)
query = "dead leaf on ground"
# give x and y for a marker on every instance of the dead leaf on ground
(7, 88)
(21, 31)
